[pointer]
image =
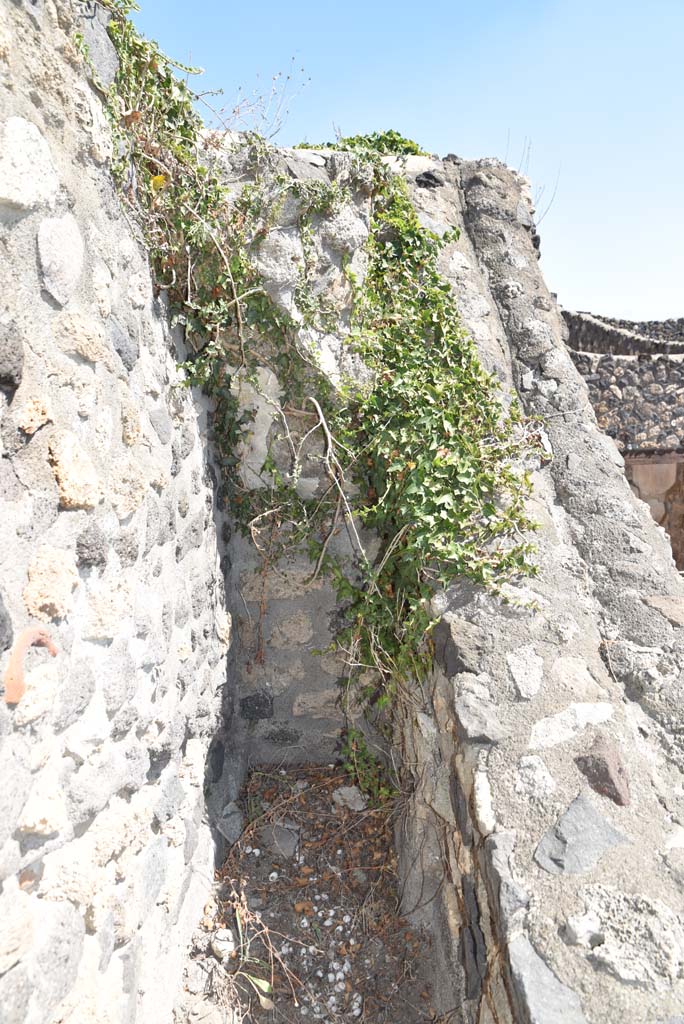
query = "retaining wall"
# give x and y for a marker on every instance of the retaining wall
(109, 548)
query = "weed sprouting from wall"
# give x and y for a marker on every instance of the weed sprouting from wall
(424, 452)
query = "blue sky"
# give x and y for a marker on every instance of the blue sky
(585, 96)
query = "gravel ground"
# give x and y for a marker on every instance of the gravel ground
(305, 924)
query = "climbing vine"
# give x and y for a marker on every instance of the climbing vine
(389, 143)
(441, 473)
(422, 450)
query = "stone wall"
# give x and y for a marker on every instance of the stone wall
(589, 333)
(663, 330)
(542, 842)
(635, 377)
(109, 549)
(638, 399)
(600, 328)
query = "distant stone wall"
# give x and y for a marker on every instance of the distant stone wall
(588, 333)
(656, 330)
(109, 549)
(635, 377)
(638, 399)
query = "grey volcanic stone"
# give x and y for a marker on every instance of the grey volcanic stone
(231, 823)
(186, 442)
(512, 898)
(182, 613)
(428, 179)
(60, 248)
(93, 21)
(11, 357)
(153, 525)
(547, 999)
(578, 840)
(161, 421)
(127, 547)
(603, 767)
(183, 443)
(257, 706)
(74, 695)
(45, 511)
(6, 633)
(201, 595)
(124, 343)
(280, 838)
(283, 735)
(476, 713)
(458, 645)
(91, 546)
(171, 799)
(191, 537)
(351, 797)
